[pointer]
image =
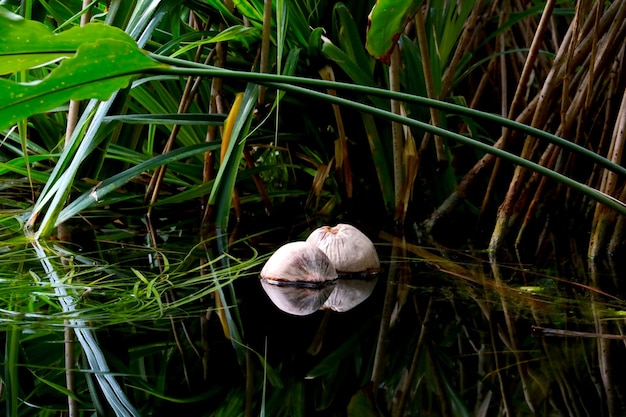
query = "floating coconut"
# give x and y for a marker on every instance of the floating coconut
(298, 278)
(354, 257)
(349, 250)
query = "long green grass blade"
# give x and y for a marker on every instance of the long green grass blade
(97, 193)
(169, 119)
(221, 194)
(11, 351)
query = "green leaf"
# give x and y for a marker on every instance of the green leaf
(386, 23)
(60, 388)
(27, 44)
(169, 119)
(357, 73)
(221, 194)
(240, 33)
(97, 193)
(362, 404)
(350, 38)
(249, 10)
(97, 61)
(97, 71)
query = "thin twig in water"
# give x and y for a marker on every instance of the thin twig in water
(546, 331)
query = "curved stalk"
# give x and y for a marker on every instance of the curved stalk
(187, 68)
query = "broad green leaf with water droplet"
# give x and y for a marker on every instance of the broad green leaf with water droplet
(99, 61)
(28, 44)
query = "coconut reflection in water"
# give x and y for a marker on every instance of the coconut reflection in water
(336, 268)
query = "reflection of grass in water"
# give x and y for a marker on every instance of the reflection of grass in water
(124, 304)
(479, 328)
(106, 293)
(123, 300)
(122, 307)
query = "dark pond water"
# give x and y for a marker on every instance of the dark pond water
(465, 337)
(444, 333)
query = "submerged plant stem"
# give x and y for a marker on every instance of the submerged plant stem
(547, 331)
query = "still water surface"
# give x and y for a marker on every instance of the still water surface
(445, 333)
(465, 336)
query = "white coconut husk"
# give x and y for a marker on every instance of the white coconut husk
(347, 247)
(298, 278)
(356, 261)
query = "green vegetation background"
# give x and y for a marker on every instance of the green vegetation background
(154, 152)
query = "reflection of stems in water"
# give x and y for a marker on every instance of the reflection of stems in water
(204, 337)
(157, 261)
(484, 392)
(316, 343)
(406, 386)
(556, 361)
(85, 335)
(512, 336)
(70, 376)
(498, 368)
(604, 359)
(439, 389)
(250, 388)
(179, 344)
(390, 296)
